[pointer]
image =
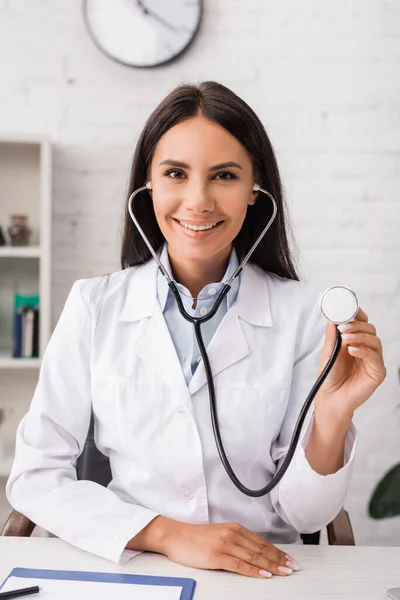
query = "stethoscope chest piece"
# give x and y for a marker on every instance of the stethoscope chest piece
(339, 304)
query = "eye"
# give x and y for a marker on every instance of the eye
(174, 174)
(225, 176)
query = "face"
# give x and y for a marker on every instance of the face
(202, 180)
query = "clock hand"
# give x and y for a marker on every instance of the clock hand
(146, 11)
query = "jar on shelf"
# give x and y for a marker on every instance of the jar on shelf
(18, 230)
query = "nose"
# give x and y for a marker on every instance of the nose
(197, 198)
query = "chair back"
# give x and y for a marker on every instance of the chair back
(92, 465)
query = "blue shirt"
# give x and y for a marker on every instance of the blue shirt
(181, 331)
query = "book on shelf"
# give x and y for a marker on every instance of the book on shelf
(26, 327)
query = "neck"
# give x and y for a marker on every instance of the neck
(196, 274)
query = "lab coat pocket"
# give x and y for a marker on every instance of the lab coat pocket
(146, 417)
(248, 420)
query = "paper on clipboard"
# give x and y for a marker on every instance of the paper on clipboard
(61, 589)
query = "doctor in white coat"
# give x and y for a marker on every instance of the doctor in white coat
(133, 361)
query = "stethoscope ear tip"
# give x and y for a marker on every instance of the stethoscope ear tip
(256, 187)
(148, 185)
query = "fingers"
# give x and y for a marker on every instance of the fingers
(361, 315)
(255, 542)
(237, 565)
(363, 339)
(361, 333)
(373, 361)
(247, 548)
(256, 558)
(357, 327)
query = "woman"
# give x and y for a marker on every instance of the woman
(135, 363)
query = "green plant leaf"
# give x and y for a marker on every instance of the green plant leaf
(385, 501)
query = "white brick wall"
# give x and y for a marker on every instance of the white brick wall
(324, 78)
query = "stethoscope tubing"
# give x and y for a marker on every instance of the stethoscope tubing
(198, 321)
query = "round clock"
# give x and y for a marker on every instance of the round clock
(142, 33)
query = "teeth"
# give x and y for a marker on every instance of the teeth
(198, 227)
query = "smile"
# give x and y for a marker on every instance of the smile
(197, 230)
(198, 227)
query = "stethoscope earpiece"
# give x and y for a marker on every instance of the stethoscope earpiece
(148, 185)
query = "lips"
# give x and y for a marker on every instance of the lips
(198, 225)
(197, 229)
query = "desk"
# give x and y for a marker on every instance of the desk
(337, 572)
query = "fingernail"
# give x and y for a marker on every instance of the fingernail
(348, 336)
(265, 573)
(344, 327)
(285, 570)
(291, 558)
(293, 565)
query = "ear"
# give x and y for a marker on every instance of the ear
(254, 195)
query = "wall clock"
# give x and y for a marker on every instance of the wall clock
(143, 33)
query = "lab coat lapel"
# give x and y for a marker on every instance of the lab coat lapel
(156, 348)
(154, 345)
(229, 345)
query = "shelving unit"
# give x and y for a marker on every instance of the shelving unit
(25, 187)
(6, 362)
(5, 466)
(22, 252)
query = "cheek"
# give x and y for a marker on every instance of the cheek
(237, 220)
(164, 203)
(236, 208)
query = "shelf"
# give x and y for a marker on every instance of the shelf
(5, 465)
(20, 251)
(7, 362)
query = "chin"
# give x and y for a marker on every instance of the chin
(200, 251)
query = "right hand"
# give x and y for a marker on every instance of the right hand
(227, 546)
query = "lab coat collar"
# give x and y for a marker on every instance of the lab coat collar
(252, 302)
(141, 292)
(163, 291)
(228, 345)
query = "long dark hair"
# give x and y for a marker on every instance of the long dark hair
(219, 104)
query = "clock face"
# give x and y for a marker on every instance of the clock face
(142, 33)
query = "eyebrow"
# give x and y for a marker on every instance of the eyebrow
(182, 165)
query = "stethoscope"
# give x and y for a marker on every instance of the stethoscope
(338, 304)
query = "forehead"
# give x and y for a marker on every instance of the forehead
(199, 139)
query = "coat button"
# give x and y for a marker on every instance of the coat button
(188, 492)
(203, 311)
(212, 291)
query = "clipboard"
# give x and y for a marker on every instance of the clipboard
(187, 585)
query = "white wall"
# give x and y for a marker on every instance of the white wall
(324, 78)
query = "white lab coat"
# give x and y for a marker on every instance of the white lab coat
(156, 430)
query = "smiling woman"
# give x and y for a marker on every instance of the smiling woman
(200, 197)
(203, 148)
(202, 183)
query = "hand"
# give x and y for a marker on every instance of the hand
(358, 371)
(226, 546)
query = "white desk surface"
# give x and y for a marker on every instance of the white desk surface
(339, 572)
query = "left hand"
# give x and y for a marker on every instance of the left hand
(358, 371)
